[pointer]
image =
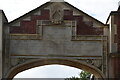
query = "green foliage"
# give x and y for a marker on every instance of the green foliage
(83, 76)
(73, 78)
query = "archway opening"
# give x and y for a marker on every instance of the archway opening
(50, 71)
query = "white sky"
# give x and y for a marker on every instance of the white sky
(50, 71)
(99, 9)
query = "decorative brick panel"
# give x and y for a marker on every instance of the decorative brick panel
(68, 15)
(15, 29)
(28, 27)
(44, 15)
(83, 28)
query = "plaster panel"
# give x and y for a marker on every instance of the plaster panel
(84, 48)
(56, 48)
(57, 33)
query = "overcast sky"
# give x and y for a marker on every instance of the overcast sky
(99, 9)
(50, 71)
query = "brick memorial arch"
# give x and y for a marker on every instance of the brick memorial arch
(59, 33)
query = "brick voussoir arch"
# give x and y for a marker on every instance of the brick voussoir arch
(68, 62)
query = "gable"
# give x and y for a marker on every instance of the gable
(56, 13)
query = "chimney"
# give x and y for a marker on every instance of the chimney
(56, 0)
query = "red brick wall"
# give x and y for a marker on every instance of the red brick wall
(83, 28)
(68, 15)
(44, 16)
(114, 67)
(117, 36)
(29, 27)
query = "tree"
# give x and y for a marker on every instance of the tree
(73, 78)
(83, 76)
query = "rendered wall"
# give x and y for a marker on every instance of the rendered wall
(56, 40)
(1, 24)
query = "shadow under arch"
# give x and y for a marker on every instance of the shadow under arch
(68, 62)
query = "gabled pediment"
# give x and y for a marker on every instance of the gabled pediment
(63, 5)
(56, 13)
